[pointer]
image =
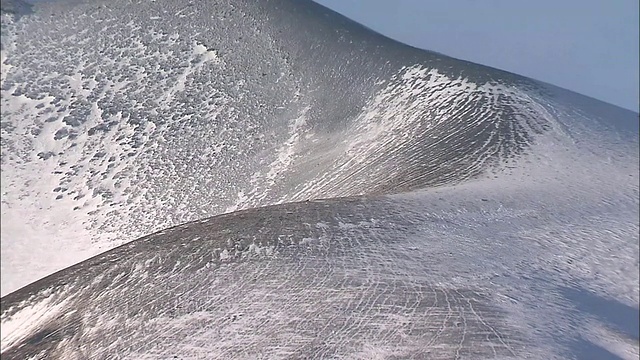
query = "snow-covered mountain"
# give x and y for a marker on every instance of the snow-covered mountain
(468, 212)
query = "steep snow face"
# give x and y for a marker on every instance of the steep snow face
(490, 216)
(118, 123)
(513, 267)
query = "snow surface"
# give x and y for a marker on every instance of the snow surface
(470, 213)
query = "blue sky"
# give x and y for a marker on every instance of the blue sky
(588, 46)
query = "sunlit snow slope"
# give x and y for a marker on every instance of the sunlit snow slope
(486, 215)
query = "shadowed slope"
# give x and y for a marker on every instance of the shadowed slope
(15, 7)
(485, 215)
(423, 275)
(137, 116)
(213, 288)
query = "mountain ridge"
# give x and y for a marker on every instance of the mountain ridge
(465, 207)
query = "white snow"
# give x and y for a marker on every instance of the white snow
(21, 324)
(566, 205)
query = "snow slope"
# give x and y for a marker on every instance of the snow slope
(470, 212)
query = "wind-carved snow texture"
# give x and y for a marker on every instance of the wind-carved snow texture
(489, 215)
(133, 125)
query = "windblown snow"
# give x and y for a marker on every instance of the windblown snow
(312, 190)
